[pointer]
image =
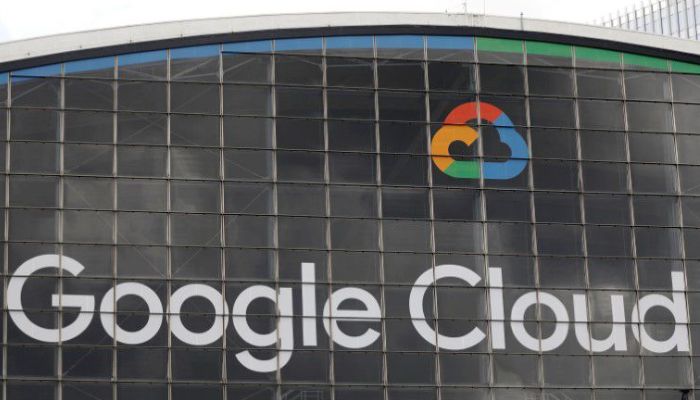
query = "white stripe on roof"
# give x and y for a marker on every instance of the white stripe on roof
(95, 39)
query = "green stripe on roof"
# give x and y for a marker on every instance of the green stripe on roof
(599, 55)
(684, 67)
(501, 45)
(548, 49)
(645, 61)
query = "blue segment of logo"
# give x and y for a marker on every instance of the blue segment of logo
(518, 152)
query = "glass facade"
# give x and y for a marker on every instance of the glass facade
(342, 217)
(679, 18)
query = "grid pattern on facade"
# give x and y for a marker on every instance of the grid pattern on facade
(231, 165)
(679, 18)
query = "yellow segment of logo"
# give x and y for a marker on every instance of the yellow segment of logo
(444, 137)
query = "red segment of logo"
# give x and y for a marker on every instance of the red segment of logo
(467, 112)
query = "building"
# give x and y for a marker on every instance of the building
(679, 18)
(343, 206)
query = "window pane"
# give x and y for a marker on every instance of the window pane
(405, 203)
(34, 157)
(651, 178)
(351, 104)
(194, 98)
(88, 159)
(141, 194)
(507, 206)
(504, 79)
(298, 70)
(599, 84)
(401, 106)
(89, 94)
(34, 125)
(647, 85)
(33, 191)
(87, 126)
(194, 163)
(607, 209)
(248, 68)
(190, 196)
(349, 72)
(299, 102)
(604, 177)
(656, 210)
(553, 143)
(248, 132)
(601, 115)
(141, 161)
(557, 207)
(555, 174)
(552, 112)
(247, 100)
(142, 96)
(454, 77)
(603, 146)
(141, 128)
(353, 201)
(655, 117)
(402, 74)
(652, 148)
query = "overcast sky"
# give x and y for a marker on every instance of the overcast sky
(24, 19)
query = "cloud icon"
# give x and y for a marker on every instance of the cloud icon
(455, 128)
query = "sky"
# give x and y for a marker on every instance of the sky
(25, 19)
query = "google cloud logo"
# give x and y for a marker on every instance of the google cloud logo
(455, 129)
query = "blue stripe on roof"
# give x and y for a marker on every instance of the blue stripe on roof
(400, 42)
(349, 42)
(299, 44)
(142, 58)
(93, 64)
(3, 79)
(450, 42)
(195, 52)
(258, 46)
(45, 70)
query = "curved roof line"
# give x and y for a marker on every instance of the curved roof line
(46, 46)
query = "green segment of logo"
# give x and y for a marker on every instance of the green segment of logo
(464, 169)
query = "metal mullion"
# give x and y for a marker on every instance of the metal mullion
(378, 194)
(533, 222)
(433, 262)
(275, 221)
(222, 224)
(61, 120)
(661, 18)
(681, 226)
(697, 23)
(630, 199)
(482, 206)
(678, 17)
(668, 17)
(115, 102)
(168, 238)
(6, 230)
(582, 215)
(327, 225)
(687, 19)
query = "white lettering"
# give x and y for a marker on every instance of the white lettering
(676, 306)
(86, 304)
(332, 314)
(212, 334)
(284, 330)
(155, 313)
(416, 299)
